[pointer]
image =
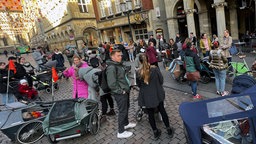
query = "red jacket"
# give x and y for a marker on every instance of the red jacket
(25, 90)
(152, 54)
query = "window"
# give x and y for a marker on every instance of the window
(118, 7)
(141, 31)
(137, 3)
(109, 5)
(82, 6)
(102, 9)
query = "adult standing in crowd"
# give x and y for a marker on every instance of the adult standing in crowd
(80, 87)
(161, 42)
(215, 38)
(192, 64)
(38, 56)
(152, 54)
(205, 45)
(226, 44)
(120, 87)
(219, 64)
(152, 39)
(69, 53)
(192, 38)
(152, 94)
(178, 38)
(173, 49)
(58, 57)
(130, 49)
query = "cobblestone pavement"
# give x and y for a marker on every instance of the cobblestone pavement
(108, 131)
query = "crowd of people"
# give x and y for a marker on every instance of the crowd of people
(109, 57)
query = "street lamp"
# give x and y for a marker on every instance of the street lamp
(126, 8)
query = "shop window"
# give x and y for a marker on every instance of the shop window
(82, 6)
(118, 7)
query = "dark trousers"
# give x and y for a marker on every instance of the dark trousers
(122, 101)
(151, 116)
(105, 100)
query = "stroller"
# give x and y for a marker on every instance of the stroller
(228, 119)
(43, 81)
(71, 118)
(206, 72)
(177, 70)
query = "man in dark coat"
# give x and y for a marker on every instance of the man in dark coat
(151, 39)
(58, 57)
(124, 51)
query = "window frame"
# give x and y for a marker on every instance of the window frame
(118, 7)
(102, 9)
(81, 5)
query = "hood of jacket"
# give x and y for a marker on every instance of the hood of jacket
(150, 49)
(88, 74)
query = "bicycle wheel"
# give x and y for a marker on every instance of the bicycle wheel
(30, 132)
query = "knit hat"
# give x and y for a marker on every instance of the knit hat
(23, 81)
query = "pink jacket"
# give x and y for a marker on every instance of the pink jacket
(79, 86)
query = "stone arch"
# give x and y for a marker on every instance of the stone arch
(202, 16)
(90, 36)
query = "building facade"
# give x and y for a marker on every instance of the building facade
(211, 17)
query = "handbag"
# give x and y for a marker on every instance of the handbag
(233, 50)
(193, 76)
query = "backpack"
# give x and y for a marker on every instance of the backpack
(102, 80)
(242, 83)
(94, 62)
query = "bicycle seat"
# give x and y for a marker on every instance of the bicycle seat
(242, 56)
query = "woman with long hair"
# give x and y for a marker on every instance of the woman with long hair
(80, 87)
(152, 94)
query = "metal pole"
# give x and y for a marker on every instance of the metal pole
(8, 83)
(128, 14)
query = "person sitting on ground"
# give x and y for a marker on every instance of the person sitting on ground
(26, 91)
(152, 94)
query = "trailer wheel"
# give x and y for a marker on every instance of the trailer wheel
(94, 124)
(30, 132)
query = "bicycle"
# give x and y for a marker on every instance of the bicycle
(238, 68)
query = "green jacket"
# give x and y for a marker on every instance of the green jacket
(117, 78)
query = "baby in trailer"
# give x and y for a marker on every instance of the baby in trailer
(26, 92)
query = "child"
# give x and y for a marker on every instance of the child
(26, 91)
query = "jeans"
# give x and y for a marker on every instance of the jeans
(207, 53)
(105, 100)
(11, 98)
(220, 78)
(194, 87)
(123, 103)
(151, 116)
(131, 56)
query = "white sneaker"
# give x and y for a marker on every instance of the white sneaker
(130, 125)
(125, 134)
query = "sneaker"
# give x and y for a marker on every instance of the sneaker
(157, 134)
(224, 93)
(197, 96)
(170, 131)
(111, 112)
(218, 93)
(125, 134)
(130, 125)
